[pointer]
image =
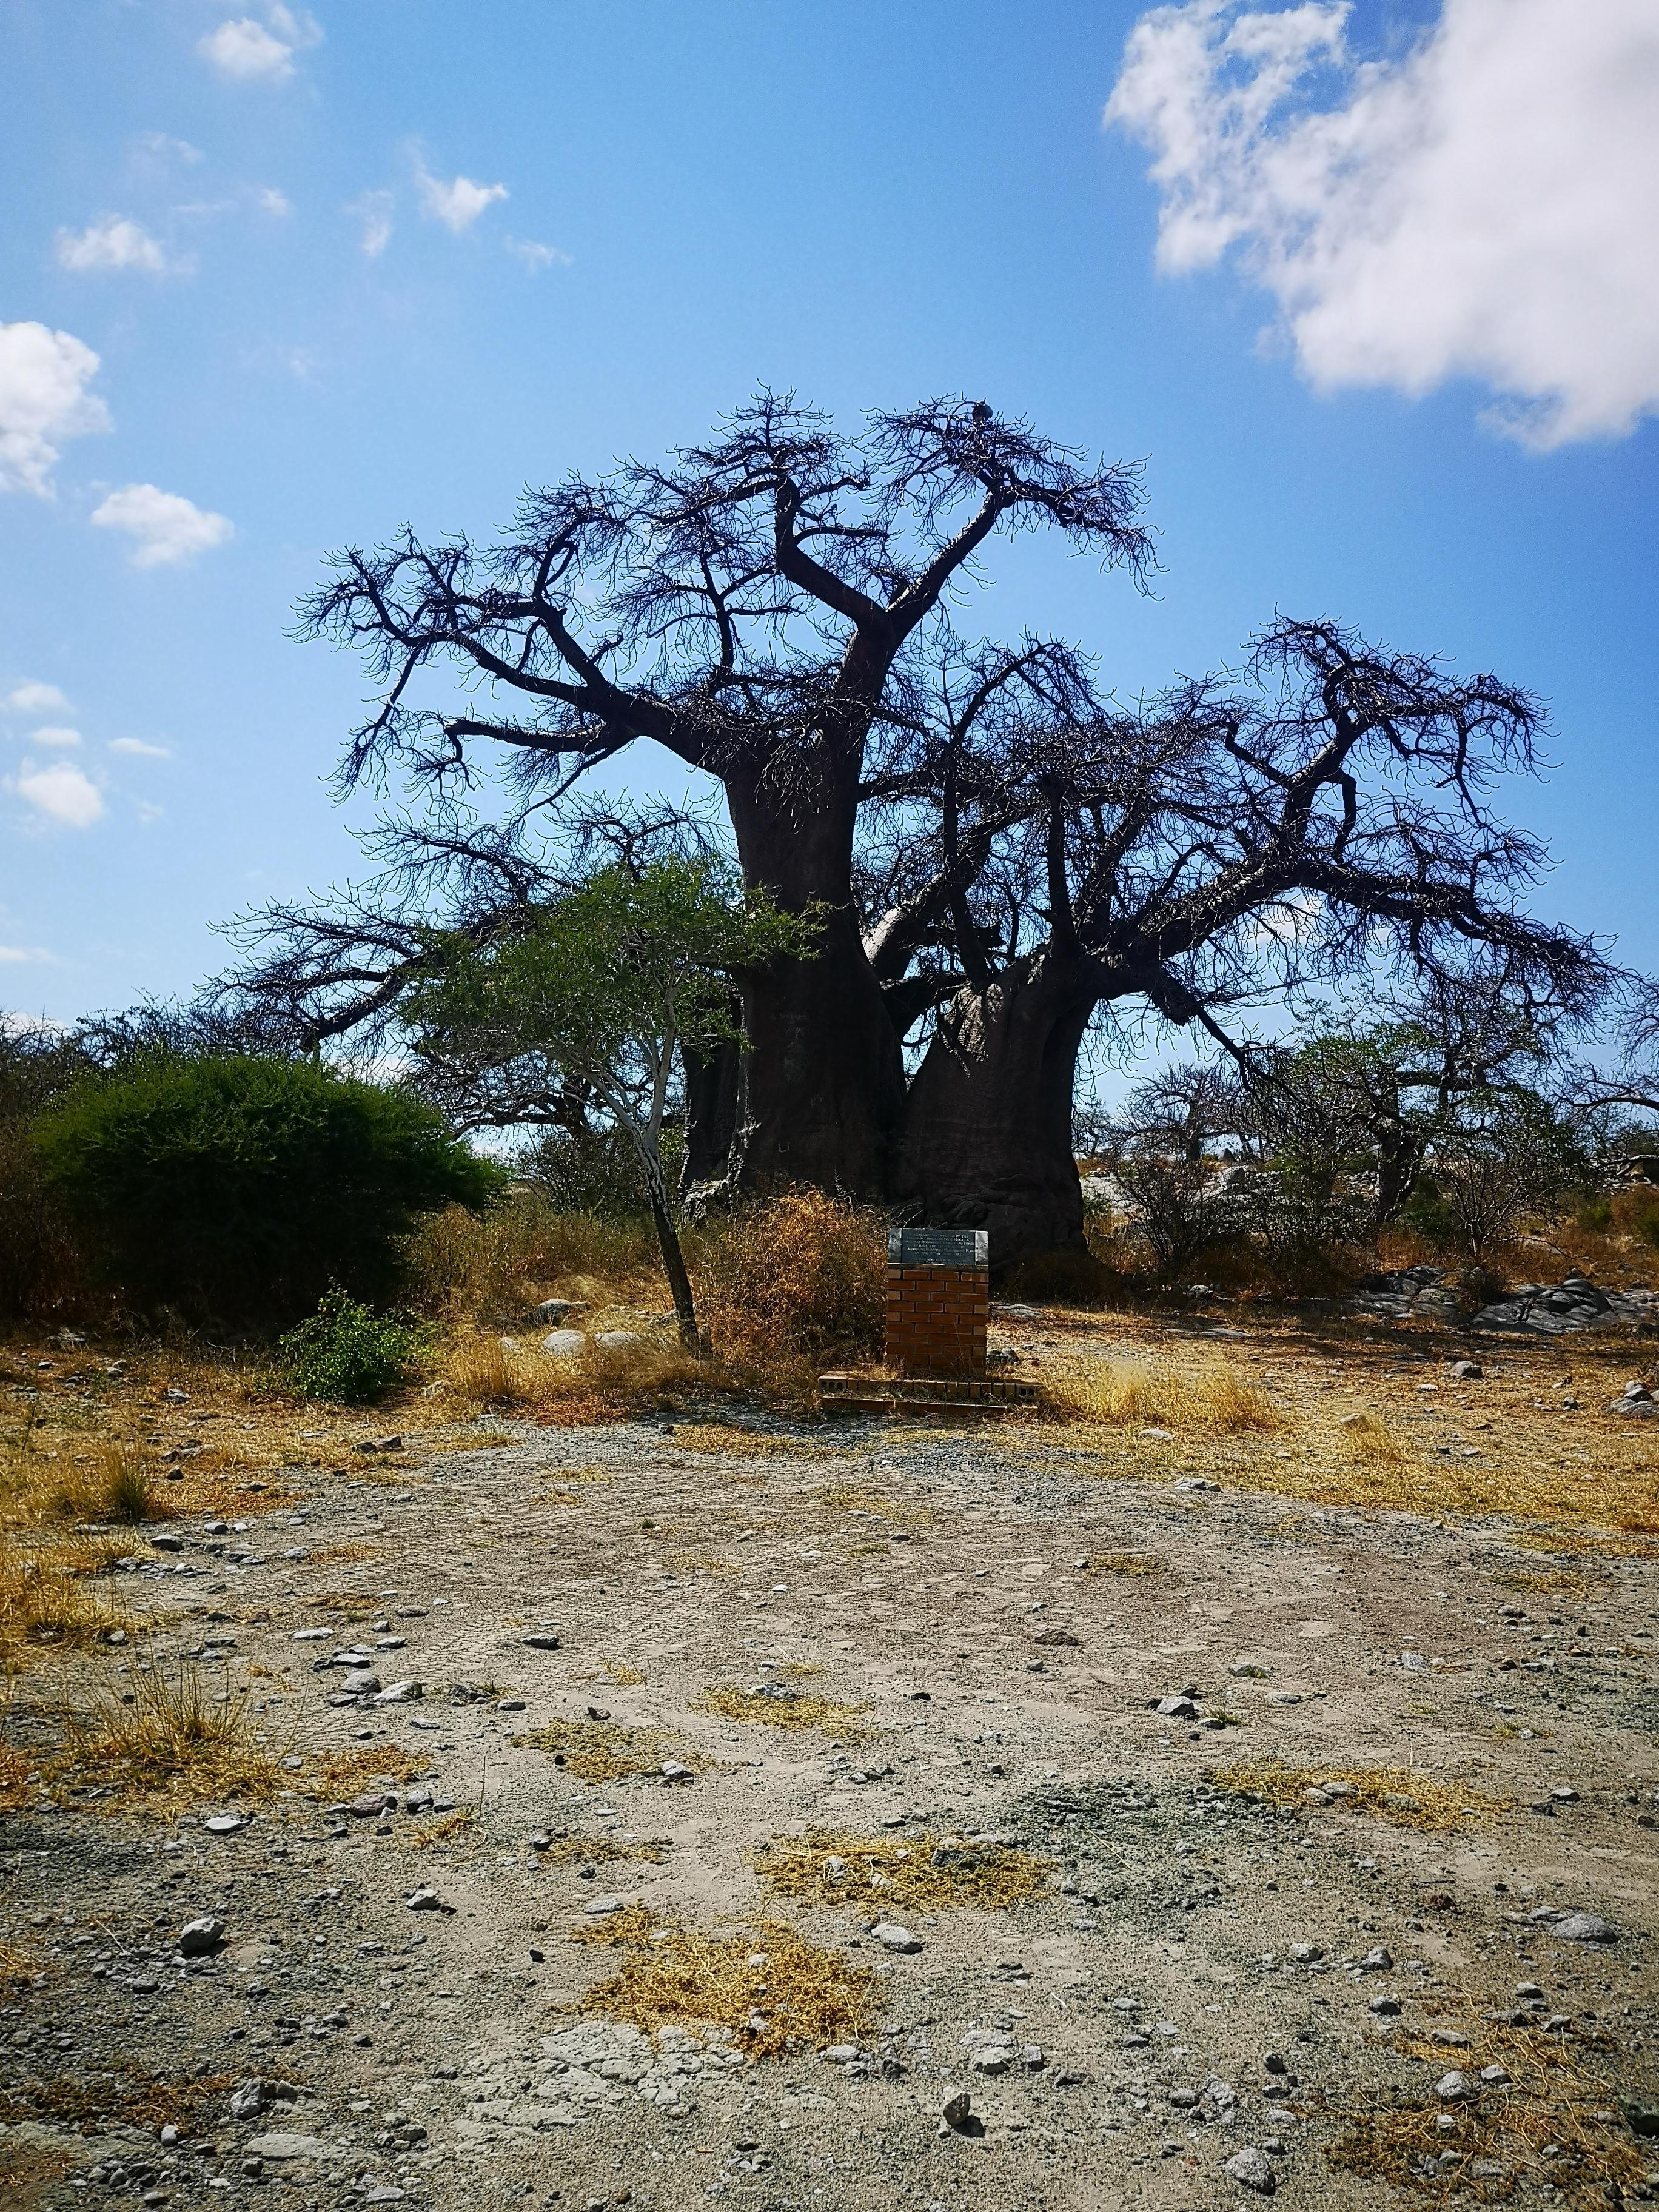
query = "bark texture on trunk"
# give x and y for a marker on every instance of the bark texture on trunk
(714, 1095)
(987, 1134)
(823, 1086)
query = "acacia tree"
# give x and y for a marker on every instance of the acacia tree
(760, 606)
(1378, 1095)
(599, 993)
(1322, 814)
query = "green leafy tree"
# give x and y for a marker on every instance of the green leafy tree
(603, 991)
(237, 1190)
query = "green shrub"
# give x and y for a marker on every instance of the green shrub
(237, 1190)
(349, 1355)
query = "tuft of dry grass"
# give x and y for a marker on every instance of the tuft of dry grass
(355, 1769)
(604, 1750)
(782, 1707)
(1126, 1563)
(856, 1498)
(1368, 1438)
(566, 1850)
(835, 1867)
(526, 1249)
(1396, 1794)
(1213, 1401)
(444, 1830)
(52, 1598)
(1552, 2125)
(602, 1382)
(178, 1742)
(765, 1987)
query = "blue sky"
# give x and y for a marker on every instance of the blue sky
(314, 319)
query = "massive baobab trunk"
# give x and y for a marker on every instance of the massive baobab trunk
(988, 1132)
(822, 1083)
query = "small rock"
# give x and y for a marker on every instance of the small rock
(400, 1693)
(1467, 1370)
(198, 1939)
(427, 1900)
(247, 2099)
(166, 1543)
(361, 1682)
(1176, 1709)
(565, 1344)
(1249, 2168)
(892, 1937)
(1495, 2075)
(283, 2149)
(1455, 2089)
(1376, 1961)
(675, 1770)
(619, 1339)
(225, 1823)
(1384, 2006)
(956, 2112)
(1584, 1928)
(1062, 1637)
(543, 1640)
(552, 1313)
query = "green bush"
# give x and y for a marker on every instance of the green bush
(348, 1355)
(237, 1190)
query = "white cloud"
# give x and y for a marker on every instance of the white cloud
(62, 793)
(537, 256)
(44, 402)
(31, 697)
(154, 150)
(165, 528)
(1483, 206)
(457, 204)
(271, 202)
(63, 740)
(252, 52)
(373, 213)
(138, 747)
(19, 953)
(114, 241)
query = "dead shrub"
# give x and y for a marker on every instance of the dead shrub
(801, 1279)
(601, 1383)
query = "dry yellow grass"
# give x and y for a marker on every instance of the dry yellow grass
(1213, 1401)
(858, 1498)
(1399, 1795)
(1126, 1563)
(1554, 2127)
(178, 1742)
(768, 1989)
(729, 1441)
(603, 1751)
(831, 1866)
(566, 1850)
(480, 1374)
(444, 1830)
(782, 1707)
(343, 1771)
(1368, 1440)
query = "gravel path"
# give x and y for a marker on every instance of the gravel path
(1211, 1992)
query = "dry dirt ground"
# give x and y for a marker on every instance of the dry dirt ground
(881, 1806)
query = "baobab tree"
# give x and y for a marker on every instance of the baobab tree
(759, 606)
(1323, 813)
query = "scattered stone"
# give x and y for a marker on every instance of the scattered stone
(957, 2113)
(675, 1770)
(283, 2149)
(199, 1939)
(565, 1344)
(1059, 1637)
(1636, 1400)
(619, 1339)
(225, 1823)
(400, 1693)
(892, 1937)
(1456, 2088)
(1376, 1961)
(427, 1900)
(1384, 2006)
(1249, 2168)
(1584, 1928)
(543, 1640)
(247, 2099)
(1176, 1709)
(1468, 1371)
(163, 1542)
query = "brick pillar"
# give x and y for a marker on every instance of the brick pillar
(939, 1296)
